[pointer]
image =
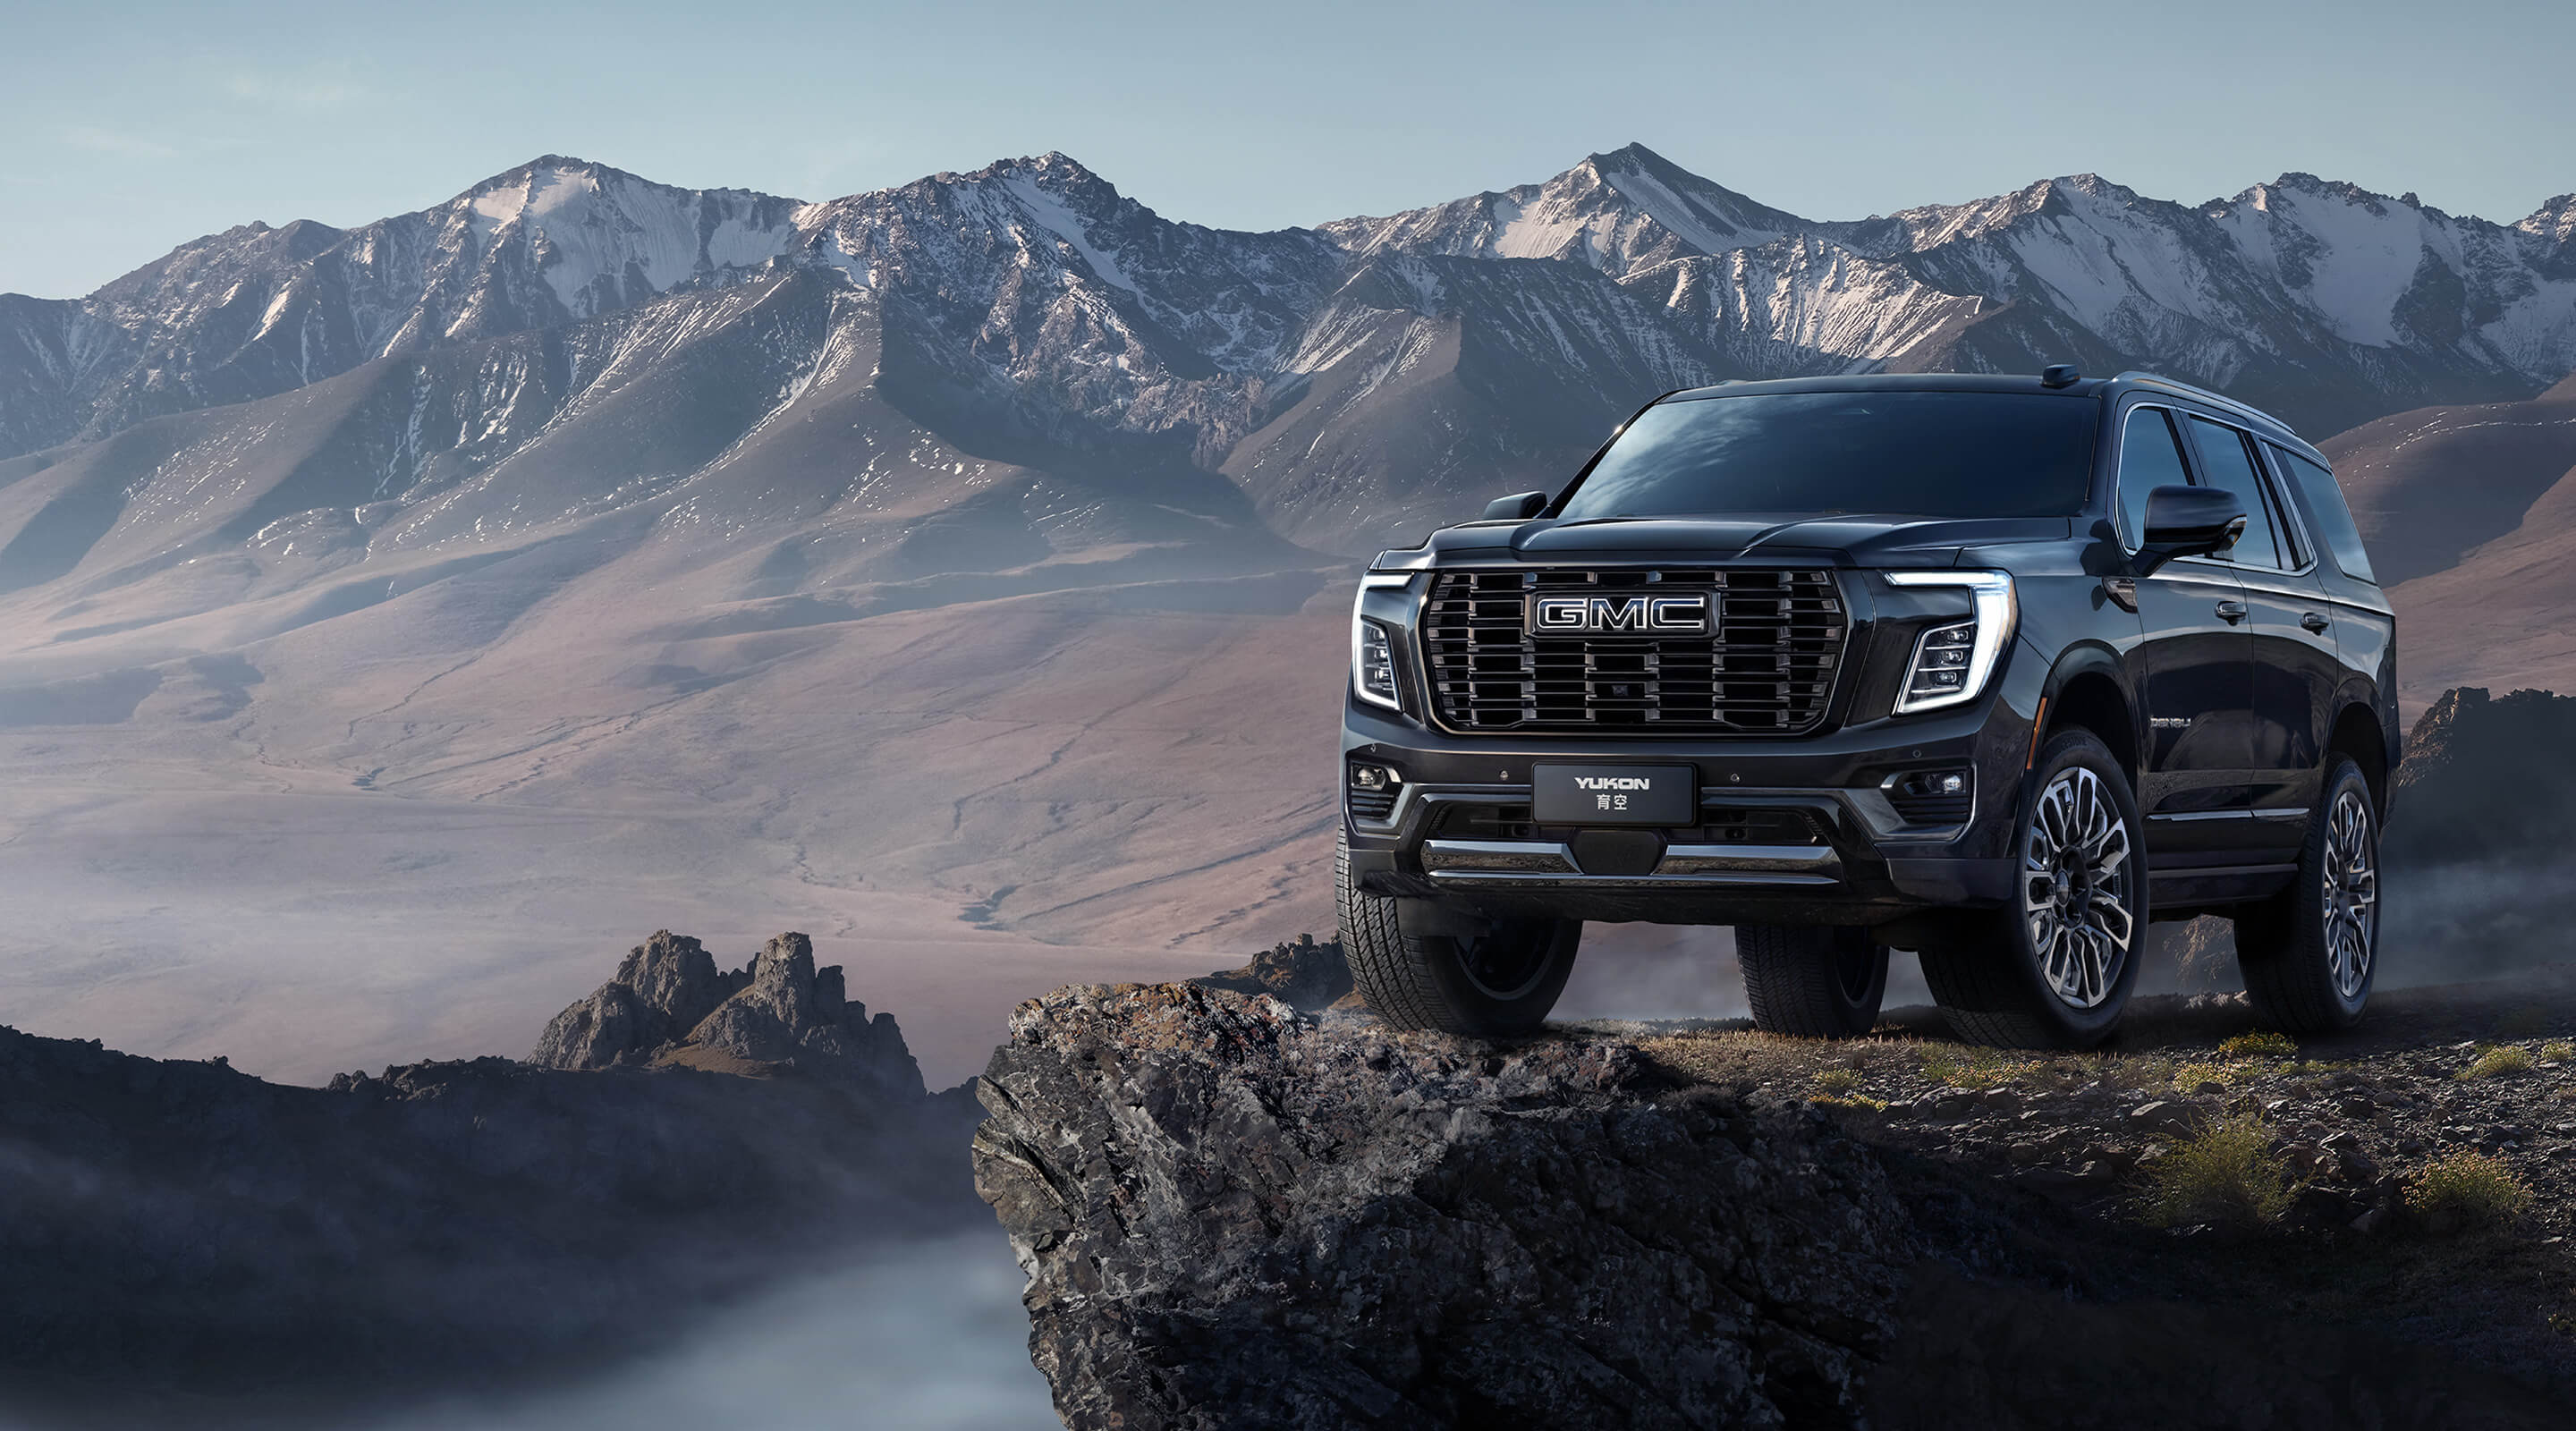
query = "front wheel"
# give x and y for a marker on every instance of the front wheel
(2054, 967)
(1499, 981)
(2308, 953)
(1811, 982)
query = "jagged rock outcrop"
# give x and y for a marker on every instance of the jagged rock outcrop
(1306, 974)
(662, 992)
(2486, 778)
(1236, 1218)
(669, 1007)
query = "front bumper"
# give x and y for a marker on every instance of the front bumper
(1797, 831)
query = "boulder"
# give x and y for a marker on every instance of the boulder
(1236, 1216)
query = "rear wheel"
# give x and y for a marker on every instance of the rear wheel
(1812, 981)
(2053, 968)
(2309, 953)
(1500, 979)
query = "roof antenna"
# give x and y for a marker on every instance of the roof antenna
(2058, 375)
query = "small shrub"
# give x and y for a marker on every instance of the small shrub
(1860, 1102)
(2189, 1076)
(1837, 1080)
(2263, 1043)
(2226, 1174)
(2557, 1051)
(2149, 1071)
(2501, 1061)
(2466, 1189)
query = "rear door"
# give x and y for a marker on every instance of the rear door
(2199, 665)
(2294, 667)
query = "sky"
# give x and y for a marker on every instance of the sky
(128, 128)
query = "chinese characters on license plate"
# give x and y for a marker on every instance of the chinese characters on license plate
(1568, 794)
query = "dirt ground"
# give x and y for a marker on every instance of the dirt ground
(2412, 1177)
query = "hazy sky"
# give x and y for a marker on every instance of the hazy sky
(128, 128)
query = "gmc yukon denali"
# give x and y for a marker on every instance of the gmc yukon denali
(1995, 670)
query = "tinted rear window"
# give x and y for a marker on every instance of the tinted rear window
(1933, 454)
(2323, 497)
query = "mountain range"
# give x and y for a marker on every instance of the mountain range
(965, 563)
(1351, 379)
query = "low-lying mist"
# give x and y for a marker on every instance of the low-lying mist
(929, 1336)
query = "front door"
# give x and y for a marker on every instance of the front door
(2198, 651)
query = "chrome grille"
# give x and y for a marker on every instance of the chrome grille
(1767, 669)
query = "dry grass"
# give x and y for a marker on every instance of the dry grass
(2465, 1189)
(2557, 1051)
(1860, 1102)
(2501, 1061)
(2226, 1174)
(2187, 1077)
(1964, 1067)
(1834, 1082)
(2263, 1043)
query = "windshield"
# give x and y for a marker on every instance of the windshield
(1931, 454)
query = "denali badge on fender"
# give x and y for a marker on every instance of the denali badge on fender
(1613, 795)
(1618, 615)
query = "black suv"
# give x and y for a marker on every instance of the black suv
(1993, 669)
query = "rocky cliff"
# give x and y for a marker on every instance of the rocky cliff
(1237, 1215)
(194, 1237)
(2486, 778)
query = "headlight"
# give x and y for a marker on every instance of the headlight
(1953, 659)
(1373, 648)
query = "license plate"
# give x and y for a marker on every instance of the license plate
(1614, 795)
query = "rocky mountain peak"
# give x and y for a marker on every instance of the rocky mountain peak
(2554, 220)
(668, 1006)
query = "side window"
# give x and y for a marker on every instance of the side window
(2323, 497)
(2229, 465)
(2149, 458)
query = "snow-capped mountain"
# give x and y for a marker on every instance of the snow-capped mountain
(255, 310)
(1031, 314)
(1619, 213)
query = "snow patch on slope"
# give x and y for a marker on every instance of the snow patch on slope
(1050, 214)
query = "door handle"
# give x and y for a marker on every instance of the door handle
(2231, 612)
(2314, 622)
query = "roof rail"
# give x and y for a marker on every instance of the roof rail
(2205, 395)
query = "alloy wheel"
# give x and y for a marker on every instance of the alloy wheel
(2351, 893)
(2078, 874)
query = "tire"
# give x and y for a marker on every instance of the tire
(1498, 983)
(2054, 967)
(1812, 981)
(2309, 953)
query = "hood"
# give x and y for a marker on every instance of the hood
(1849, 540)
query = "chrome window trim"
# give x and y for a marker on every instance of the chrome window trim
(2284, 516)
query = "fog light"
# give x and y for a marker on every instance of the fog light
(1932, 797)
(1373, 777)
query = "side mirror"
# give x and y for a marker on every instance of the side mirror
(2190, 521)
(1519, 507)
